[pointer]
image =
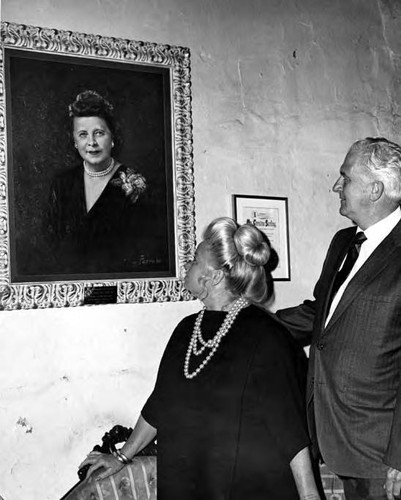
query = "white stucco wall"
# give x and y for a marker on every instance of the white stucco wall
(281, 88)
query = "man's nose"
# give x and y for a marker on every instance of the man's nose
(338, 185)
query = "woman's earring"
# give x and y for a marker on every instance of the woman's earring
(112, 144)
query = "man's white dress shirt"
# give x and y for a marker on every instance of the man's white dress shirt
(375, 234)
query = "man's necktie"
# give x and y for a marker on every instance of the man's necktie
(352, 255)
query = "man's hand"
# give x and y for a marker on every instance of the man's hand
(393, 483)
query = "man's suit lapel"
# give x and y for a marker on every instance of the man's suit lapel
(380, 258)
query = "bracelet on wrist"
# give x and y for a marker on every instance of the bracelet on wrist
(121, 457)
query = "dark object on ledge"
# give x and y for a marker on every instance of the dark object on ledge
(141, 474)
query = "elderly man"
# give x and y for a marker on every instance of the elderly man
(354, 328)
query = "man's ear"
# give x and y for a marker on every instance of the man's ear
(377, 190)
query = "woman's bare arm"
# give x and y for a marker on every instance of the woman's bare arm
(142, 435)
(301, 468)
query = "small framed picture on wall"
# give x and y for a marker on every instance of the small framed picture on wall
(270, 215)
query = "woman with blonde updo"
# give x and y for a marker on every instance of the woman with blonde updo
(227, 407)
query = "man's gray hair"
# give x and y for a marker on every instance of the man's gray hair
(383, 159)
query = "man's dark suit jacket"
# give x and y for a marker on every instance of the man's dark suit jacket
(354, 377)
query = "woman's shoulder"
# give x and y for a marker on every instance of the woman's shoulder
(267, 328)
(181, 332)
(262, 317)
(187, 321)
(273, 339)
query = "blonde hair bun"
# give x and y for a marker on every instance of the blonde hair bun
(251, 245)
(246, 257)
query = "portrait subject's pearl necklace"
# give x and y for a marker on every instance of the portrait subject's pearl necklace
(102, 173)
(213, 343)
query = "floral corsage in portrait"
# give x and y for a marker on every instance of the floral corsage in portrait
(131, 182)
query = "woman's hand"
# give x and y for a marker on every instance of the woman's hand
(98, 460)
(393, 483)
(142, 435)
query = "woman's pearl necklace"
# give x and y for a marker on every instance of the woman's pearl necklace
(102, 173)
(213, 343)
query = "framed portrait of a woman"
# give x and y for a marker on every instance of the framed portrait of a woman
(96, 183)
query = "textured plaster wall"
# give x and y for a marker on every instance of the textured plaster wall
(281, 88)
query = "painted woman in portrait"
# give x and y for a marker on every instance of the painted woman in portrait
(99, 215)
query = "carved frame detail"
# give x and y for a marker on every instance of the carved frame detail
(61, 294)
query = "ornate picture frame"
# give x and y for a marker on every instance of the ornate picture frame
(270, 215)
(42, 71)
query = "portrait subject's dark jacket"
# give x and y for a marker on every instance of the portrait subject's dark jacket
(116, 235)
(354, 379)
